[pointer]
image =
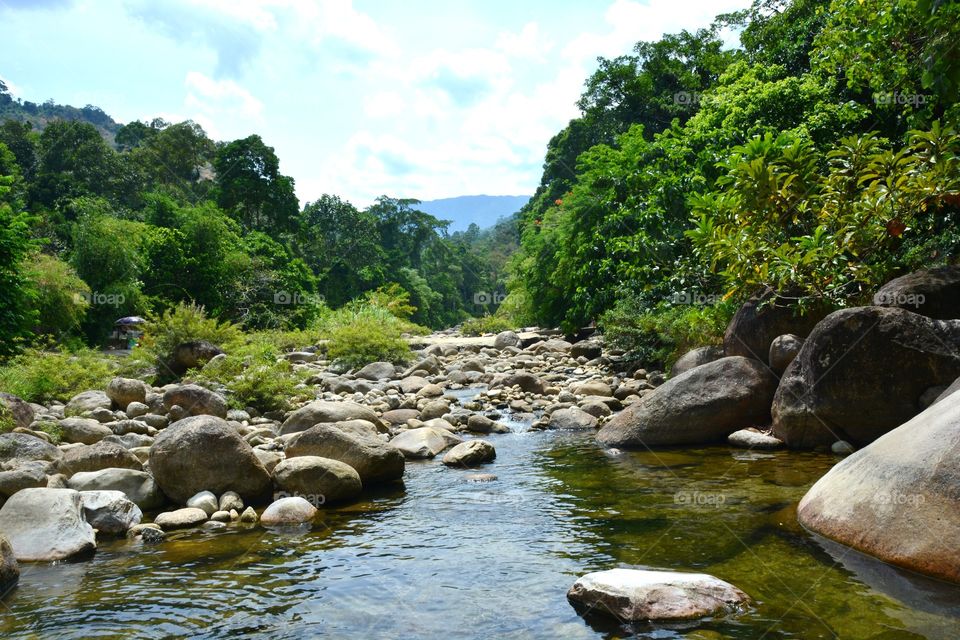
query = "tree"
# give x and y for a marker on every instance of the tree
(60, 297)
(16, 313)
(74, 161)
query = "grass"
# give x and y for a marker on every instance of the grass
(43, 376)
(486, 324)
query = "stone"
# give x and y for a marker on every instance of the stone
(506, 339)
(399, 416)
(327, 412)
(23, 414)
(9, 569)
(479, 423)
(22, 446)
(593, 388)
(138, 486)
(588, 349)
(434, 409)
(761, 319)
(109, 512)
(152, 536)
(572, 418)
(634, 595)
(842, 448)
(87, 401)
(320, 480)
(377, 371)
(231, 500)
(94, 457)
(220, 516)
(83, 430)
(181, 518)
(934, 293)
(783, 350)
(189, 355)
(754, 439)
(203, 500)
(424, 442)
(249, 516)
(470, 454)
(480, 477)
(896, 498)
(123, 391)
(695, 358)
(376, 461)
(704, 405)
(413, 384)
(195, 400)
(46, 525)
(288, 511)
(205, 453)
(137, 409)
(526, 381)
(27, 474)
(861, 373)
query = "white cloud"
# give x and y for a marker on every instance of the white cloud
(209, 95)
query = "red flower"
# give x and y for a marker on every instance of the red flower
(558, 202)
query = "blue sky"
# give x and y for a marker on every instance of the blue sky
(425, 99)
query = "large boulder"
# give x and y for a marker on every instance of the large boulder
(45, 525)
(189, 355)
(377, 371)
(897, 498)
(376, 461)
(102, 455)
(9, 569)
(26, 474)
(138, 486)
(205, 453)
(506, 339)
(293, 510)
(84, 430)
(861, 373)
(21, 411)
(588, 349)
(783, 350)
(319, 480)
(634, 595)
(424, 442)
(87, 401)
(195, 400)
(109, 512)
(470, 454)
(706, 404)
(572, 419)
(695, 358)
(934, 293)
(761, 319)
(319, 412)
(526, 381)
(23, 446)
(123, 391)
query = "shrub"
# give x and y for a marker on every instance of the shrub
(486, 324)
(394, 299)
(61, 298)
(360, 333)
(658, 336)
(42, 376)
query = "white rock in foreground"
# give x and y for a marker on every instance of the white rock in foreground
(46, 525)
(636, 595)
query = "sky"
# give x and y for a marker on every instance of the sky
(362, 98)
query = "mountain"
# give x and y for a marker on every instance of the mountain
(484, 211)
(40, 114)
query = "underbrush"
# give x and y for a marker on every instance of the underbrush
(360, 333)
(486, 324)
(42, 376)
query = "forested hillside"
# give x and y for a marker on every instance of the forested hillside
(821, 158)
(94, 232)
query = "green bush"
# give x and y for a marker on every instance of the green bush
(360, 333)
(61, 298)
(658, 336)
(486, 324)
(42, 376)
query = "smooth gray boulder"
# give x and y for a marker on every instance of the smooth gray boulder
(761, 319)
(21, 411)
(94, 457)
(377, 371)
(83, 430)
(572, 419)
(934, 293)
(195, 400)
(424, 442)
(86, 401)
(288, 511)
(754, 439)
(506, 339)
(23, 446)
(109, 512)
(704, 405)
(26, 474)
(138, 486)
(322, 412)
(783, 350)
(470, 454)
(45, 525)
(181, 518)
(319, 480)
(695, 358)
(376, 461)
(204, 500)
(123, 391)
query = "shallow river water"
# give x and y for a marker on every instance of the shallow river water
(447, 558)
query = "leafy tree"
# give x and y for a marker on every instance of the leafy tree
(16, 312)
(60, 297)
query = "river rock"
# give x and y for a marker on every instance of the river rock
(196, 400)
(593, 388)
(231, 501)
(479, 423)
(896, 499)
(45, 525)
(9, 569)
(123, 391)
(526, 381)
(506, 339)
(22, 446)
(23, 413)
(425, 442)
(102, 455)
(205, 453)
(189, 355)
(861, 373)
(753, 439)
(588, 349)
(181, 518)
(87, 401)
(288, 511)
(377, 371)
(695, 358)
(83, 430)
(470, 454)
(761, 319)
(376, 461)
(327, 412)
(26, 474)
(934, 293)
(413, 384)
(400, 416)
(138, 486)
(109, 512)
(321, 480)
(706, 404)
(572, 418)
(634, 595)
(204, 500)
(783, 350)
